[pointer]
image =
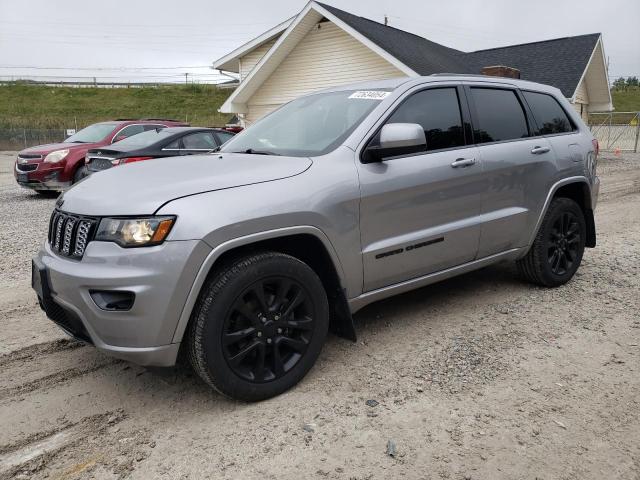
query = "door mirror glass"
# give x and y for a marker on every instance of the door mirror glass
(397, 139)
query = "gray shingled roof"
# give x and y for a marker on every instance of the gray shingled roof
(559, 62)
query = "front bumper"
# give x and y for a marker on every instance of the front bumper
(161, 278)
(44, 177)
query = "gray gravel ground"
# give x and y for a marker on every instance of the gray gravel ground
(479, 377)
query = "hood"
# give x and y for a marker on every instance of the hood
(141, 188)
(50, 147)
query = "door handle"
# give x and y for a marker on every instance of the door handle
(463, 162)
(540, 150)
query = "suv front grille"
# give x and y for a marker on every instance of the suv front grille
(28, 167)
(69, 234)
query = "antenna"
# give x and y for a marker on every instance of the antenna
(386, 20)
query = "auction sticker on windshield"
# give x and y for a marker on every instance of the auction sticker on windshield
(370, 94)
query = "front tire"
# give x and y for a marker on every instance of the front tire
(557, 250)
(259, 326)
(80, 174)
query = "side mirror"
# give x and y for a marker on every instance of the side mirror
(118, 138)
(397, 139)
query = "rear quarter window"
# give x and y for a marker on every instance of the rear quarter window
(549, 115)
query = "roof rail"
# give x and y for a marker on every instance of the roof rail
(457, 75)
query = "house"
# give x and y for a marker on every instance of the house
(324, 46)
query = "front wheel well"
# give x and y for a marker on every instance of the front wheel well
(580, 193)
(312, 251)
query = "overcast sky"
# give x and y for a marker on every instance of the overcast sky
(162, 40)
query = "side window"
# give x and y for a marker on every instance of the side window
(199, 141)
(224, 136)
(550, 116)
(153, 127)
(175, 145)
(128, 131)
(499, 115)
(437, 110)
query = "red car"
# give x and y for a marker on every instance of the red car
(57, 166)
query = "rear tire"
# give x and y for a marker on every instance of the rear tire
(557, 250)
(259, 326)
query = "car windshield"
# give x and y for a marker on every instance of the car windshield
(309, 126)
(92, 134)
(144, 139)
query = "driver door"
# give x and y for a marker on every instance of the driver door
(420, 213)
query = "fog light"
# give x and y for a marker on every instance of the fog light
(113, 300)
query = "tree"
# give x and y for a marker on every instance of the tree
(632, 81)
(619, 83)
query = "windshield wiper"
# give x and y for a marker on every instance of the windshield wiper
(78, 141)
(258, 152)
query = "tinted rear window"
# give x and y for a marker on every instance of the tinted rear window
(438, 112)
(499, 115)
(549, 115)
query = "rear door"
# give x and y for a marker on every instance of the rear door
(517, 166)
(419, 213)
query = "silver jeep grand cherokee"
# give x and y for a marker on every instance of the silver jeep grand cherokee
(245, 258)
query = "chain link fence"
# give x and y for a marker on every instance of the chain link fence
(19, 138)
(616, 131)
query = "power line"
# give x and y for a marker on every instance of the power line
(104, 68)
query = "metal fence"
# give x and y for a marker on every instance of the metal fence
(19, 138)
(616, 131)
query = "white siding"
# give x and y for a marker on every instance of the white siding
(325, 57)
(249, 61)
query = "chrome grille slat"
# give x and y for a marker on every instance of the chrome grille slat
(70, 234)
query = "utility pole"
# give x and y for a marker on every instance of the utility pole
(186, 81)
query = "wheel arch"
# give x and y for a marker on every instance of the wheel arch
(307, 243)
(578, 190)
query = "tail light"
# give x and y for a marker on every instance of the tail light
(121, 161)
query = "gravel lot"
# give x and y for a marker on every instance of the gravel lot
(481, 377)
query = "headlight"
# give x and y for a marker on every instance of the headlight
(134, 232)
(57, 156)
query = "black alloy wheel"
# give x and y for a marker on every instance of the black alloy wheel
(557, 249)
(268, 329)
(259, 325)
(563, 243)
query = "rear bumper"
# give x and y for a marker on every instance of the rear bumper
(161, 278)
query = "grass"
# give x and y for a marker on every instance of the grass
(43, 107)
(627, 100)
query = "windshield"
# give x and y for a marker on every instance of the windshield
(92, 134)
(308, 126)
(144, 139)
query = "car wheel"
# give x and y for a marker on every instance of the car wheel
(80, 174)
(47, 193)
(259, 326)
(557, 250)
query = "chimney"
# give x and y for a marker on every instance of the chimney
(500, 71)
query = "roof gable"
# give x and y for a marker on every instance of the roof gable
(419, 54)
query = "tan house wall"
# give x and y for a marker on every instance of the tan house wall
(253, 57)
(325, 57)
